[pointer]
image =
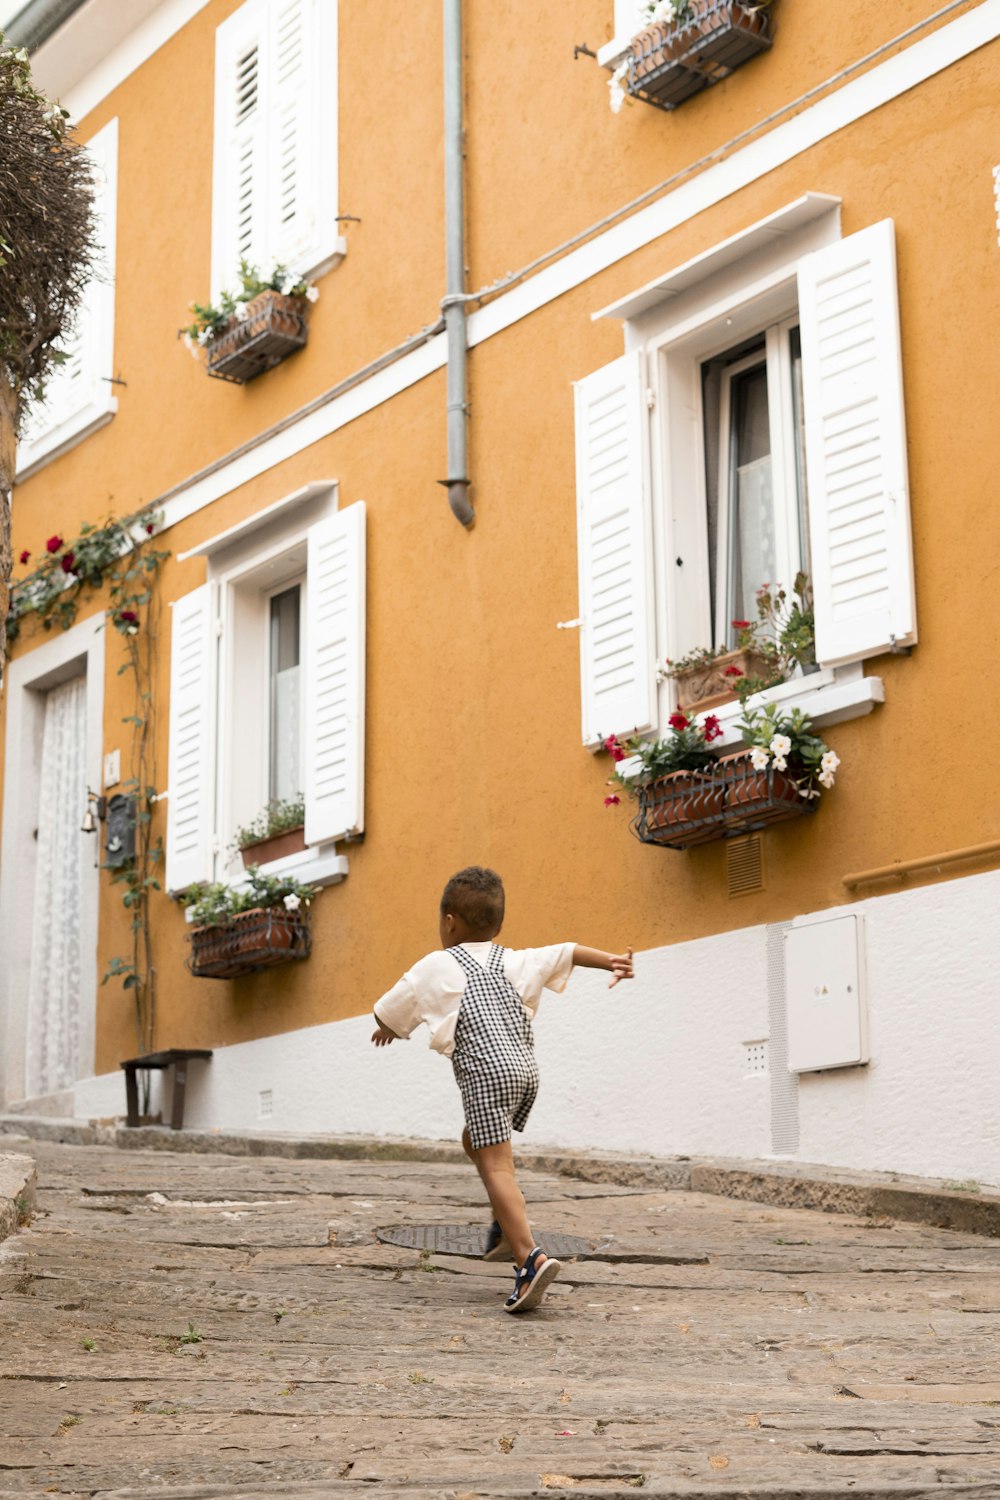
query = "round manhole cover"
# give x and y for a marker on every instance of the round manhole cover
(470, 1239)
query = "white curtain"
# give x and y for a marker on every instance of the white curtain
(54, 993)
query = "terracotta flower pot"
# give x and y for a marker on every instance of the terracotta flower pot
(673, 60)
(680, 798)
(292, 841)
(710, 685)
(745, 787)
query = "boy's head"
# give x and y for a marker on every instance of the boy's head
(472, 907)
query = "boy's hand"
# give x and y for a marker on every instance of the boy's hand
(383, 1036)
(621, 967)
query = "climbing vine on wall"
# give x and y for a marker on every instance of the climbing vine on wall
(121, 555)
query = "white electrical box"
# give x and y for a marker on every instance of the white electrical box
(825, 989)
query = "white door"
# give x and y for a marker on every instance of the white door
(53, 1050)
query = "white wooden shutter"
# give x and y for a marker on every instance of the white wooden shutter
(191, 775)
(615, 534)
(335, 676)
(292, 195)
(79, 390)
(240, 191)
(859, 509)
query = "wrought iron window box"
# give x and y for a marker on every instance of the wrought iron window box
(688, 808)
(253, 940)
(672, 61)
(274, 327)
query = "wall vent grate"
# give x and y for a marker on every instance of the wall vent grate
(745, 864)
(265, 1104)
(756, 1057)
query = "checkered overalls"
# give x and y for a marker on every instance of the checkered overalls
(494, 1059)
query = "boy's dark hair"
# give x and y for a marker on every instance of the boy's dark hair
(476, 895)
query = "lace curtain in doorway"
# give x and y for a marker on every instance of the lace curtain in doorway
(54, 993)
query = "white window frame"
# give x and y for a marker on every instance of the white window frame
(243, 739)
(776, 359)
(327, 247)
(58, 426)
(299, 581)
(678, 332)
(236, 559)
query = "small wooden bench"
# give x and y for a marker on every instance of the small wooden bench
(172, 1057)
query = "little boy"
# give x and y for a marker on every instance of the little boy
(478, 999)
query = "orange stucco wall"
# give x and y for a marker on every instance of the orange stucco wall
(473, 743)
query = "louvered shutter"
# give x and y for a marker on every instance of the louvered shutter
(335, 676)
(292, 195)
(190, 804)
(859, 509)
(81, 379)
(241, 144)
(615, 538)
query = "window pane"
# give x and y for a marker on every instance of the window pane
(285, 770)
(753, 556)
(795, 348)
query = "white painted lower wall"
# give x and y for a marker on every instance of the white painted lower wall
(659, 1067)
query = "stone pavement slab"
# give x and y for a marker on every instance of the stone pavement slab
(230, 1326)
(17, 1191)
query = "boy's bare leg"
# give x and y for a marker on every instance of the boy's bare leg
(495, 1165)
(467, 1147)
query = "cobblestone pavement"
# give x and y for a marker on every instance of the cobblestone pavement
(224, 1326)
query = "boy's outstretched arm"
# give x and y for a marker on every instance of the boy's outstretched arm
(619, 964)
(382, 1036)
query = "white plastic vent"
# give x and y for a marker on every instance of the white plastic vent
(756, 1057)
(265, 1104)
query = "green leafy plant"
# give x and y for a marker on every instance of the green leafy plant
(783, 739)
(688, 747)
(212, 318)
(217, 903)
(279, 816)
(192, 1336)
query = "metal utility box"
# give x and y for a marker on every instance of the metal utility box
(825, 988)
(119, 840)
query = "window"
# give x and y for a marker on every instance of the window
(267, 691)
(284, 778)
(275, 170)
(79, 395)
(758, 527)
(753, 428)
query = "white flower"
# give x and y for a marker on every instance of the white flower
(312, 293)
(286, 284)
(781, 745)
(292, 902)
(780, 763)
(205, 337)
(242, 312)
(807, 792)
(826, 779)
(191, 346)
(759, 758)
(830, 761)
(618, 95)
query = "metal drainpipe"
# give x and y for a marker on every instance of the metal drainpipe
(453, 303)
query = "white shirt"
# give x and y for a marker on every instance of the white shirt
(432, 990)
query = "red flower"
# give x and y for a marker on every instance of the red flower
(611, 801)
(732, 672)
(713, 729)
(679, 721)
(128, 617)
(740, 624)
(53, 544)
(150, 528)
(614, 748)
(24, 556)
(66, 562)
